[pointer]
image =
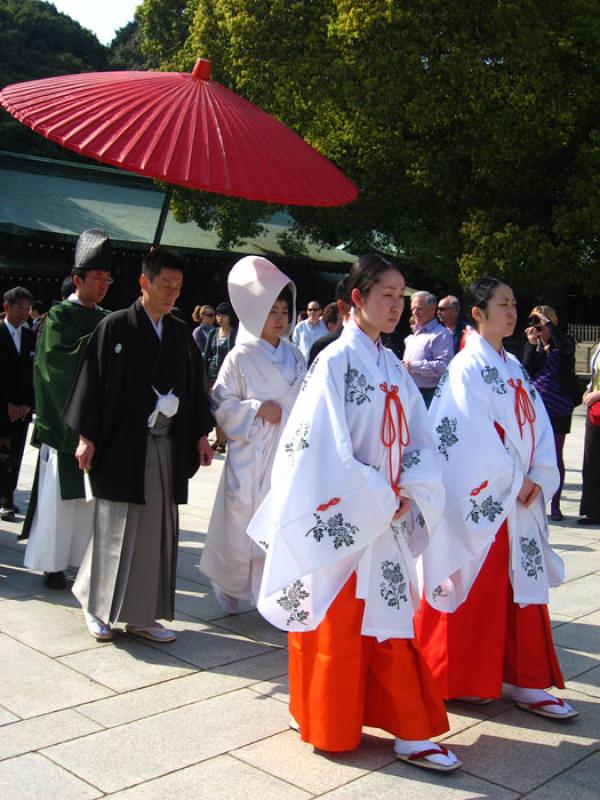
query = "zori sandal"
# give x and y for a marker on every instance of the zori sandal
(421, 759)
(541, 711)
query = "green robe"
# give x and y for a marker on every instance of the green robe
(62, 342)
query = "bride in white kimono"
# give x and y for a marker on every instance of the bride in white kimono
(355, 490)
(490, 562)
(251, 400)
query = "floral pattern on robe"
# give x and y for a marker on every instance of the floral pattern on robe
(329, 511)
(483, 476)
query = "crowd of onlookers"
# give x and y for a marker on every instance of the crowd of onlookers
(438, 332)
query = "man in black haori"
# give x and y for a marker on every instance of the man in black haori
(142, 415)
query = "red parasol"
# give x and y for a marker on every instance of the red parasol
(182, 129)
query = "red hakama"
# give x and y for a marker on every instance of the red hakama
(489, 639)
(341, 681)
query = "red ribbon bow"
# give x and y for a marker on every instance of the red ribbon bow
(524, 411)
(393, 431)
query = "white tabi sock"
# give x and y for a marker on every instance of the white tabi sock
(521, 695)
(405, 747)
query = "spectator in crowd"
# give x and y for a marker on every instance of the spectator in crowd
(590, 496)
(67, 288)
(302, 315)
(204, 317)
(429, 348)
(141, 414)
(59, 520)
(449, 315)
(306, 333)
(342, 304)
(252, 399)
(37, 314)
(549, 357)
(490, 565)
(17, 348)
(218, 344)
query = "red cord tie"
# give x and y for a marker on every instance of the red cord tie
(325, 506)
(479, 489)
(524, 411)
(394, 431)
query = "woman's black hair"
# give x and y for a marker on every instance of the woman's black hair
(479, 294)
(365, 273)
(227, 308)
(286, 294)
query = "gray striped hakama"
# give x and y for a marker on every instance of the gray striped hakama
(129, 570)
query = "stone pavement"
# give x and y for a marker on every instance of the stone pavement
(205, 718)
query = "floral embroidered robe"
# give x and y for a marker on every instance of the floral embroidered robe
(329, 511)
(246, 380)
(483, 475)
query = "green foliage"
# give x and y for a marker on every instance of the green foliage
(126, 50)
(471, 129)
(36, 41)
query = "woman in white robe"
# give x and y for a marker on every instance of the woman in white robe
(251, 401)
(355, 490)
(490, 561)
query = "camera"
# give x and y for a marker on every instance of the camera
(533, 321)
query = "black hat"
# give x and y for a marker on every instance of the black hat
(92, 251)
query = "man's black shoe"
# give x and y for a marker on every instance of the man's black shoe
(7, 514)
(588, 521)
(55, 580)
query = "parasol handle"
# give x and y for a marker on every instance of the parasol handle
(201, 71)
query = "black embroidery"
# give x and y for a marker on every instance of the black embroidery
(393, 586)
(411, 459)
(357, 387)
(529, 380)
(438, 389)
(447, 433)
(491, 376)
(263, 544)
(437, 592)
(298, 442)
(420, 519)
(489, 509)
(291, 600)
(309, 372)
(340, 531)
(531, 558)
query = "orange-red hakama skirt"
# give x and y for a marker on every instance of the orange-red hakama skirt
(341, 681)
(489, 638)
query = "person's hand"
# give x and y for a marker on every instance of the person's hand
(406, 363)
(589, 398)
(14, 412)
(205, 452)
(529, 491)
(533, 335)
(85, 453)
(270, 412)
(403, 508)
(25, 410)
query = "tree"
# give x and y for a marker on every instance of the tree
(471, 129)
(36, 41)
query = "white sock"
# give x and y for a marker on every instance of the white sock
(405, 747)
(522, 695)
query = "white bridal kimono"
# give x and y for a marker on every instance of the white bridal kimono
(252, 373)
(329, 511)
(483, 476)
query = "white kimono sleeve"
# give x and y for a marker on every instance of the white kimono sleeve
(235, 414)
(324, 507)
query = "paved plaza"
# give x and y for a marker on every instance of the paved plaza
(205, 718)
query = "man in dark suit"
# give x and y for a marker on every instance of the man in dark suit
(17, 348)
